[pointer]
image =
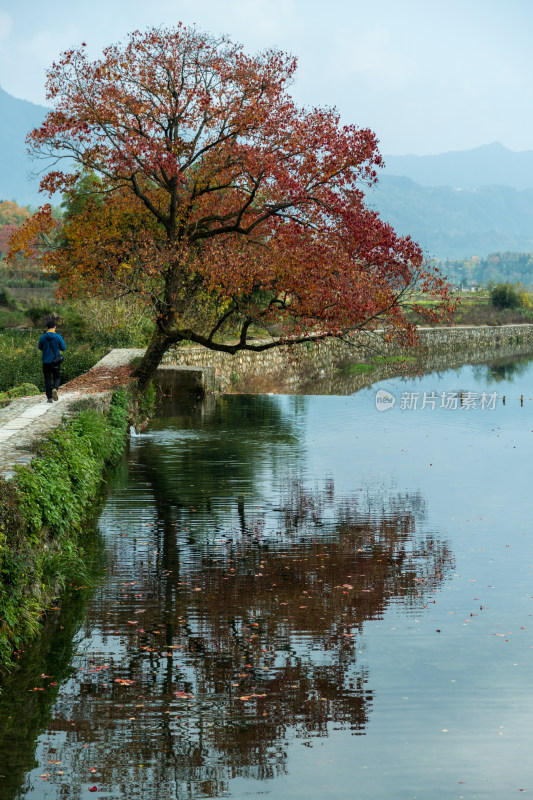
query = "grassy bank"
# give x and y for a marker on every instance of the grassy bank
(476, 308)
(42, 510)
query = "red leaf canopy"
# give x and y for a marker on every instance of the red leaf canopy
(215, 198)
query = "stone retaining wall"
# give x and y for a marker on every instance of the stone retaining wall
(289, 366)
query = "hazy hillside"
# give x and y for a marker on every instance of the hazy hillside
(489, 165)
(17, 118)
(453, 223)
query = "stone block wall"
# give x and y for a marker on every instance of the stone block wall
(286, 367)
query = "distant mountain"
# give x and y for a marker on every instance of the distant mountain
(17, 119)
(455, 223)
(419, 195)
(489, 165)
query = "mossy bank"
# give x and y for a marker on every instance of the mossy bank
(42, 512)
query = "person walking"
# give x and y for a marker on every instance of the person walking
(51, 344)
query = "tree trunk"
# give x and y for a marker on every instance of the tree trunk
(155, 351)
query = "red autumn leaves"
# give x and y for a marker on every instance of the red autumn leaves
(216, 200)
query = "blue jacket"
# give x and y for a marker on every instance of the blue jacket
(51, 343)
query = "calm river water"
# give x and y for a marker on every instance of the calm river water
(303, 597)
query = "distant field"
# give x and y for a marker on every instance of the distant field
(474, 308)
(30, 293)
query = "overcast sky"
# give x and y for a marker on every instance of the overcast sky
(427, 75)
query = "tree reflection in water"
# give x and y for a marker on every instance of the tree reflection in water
(504, 369)
(205, 661)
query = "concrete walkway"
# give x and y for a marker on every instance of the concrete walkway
(120, 356)
(25, 420)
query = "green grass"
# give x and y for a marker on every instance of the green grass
(42, 511)
(394, 359)
(24, 390)
(20, 359)
(362, 368)
(475, 308)
(12, 318)
(358, 369)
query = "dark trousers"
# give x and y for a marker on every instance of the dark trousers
(52, 378)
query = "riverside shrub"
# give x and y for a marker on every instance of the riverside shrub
(505, 295)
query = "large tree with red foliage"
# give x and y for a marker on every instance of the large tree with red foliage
(195, 182)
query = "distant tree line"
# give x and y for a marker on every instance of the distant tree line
(495, 268)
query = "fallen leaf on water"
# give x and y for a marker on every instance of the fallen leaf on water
(249, 696)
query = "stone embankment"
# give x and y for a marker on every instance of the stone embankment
(288, 367)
